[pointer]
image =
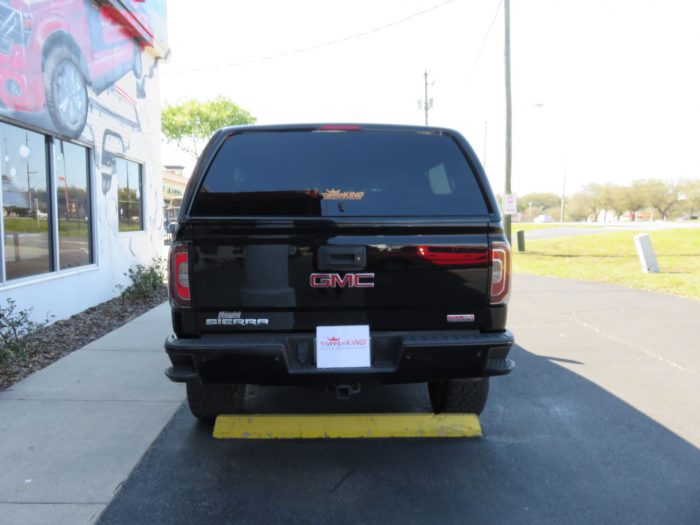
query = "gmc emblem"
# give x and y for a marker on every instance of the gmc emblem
(334, 280)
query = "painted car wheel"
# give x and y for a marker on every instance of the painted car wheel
(66, 92)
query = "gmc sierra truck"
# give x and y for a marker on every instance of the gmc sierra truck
(338, 255)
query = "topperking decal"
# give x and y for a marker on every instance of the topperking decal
(336, 195)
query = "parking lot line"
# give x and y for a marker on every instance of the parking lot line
(324, 426)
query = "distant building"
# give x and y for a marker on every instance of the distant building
(80, 139)
(174, 184)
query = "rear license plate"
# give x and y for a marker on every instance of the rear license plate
(342, 347)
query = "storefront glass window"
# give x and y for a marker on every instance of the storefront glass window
(25, 202)
(73, 205)
(130, 195)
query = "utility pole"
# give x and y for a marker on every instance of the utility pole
(427, 102)
(29, 181)
(509, 114)
(563, 193)
(486, 133)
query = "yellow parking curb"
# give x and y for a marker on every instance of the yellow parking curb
(316, 426)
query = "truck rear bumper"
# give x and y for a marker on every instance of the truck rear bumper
(287, 359)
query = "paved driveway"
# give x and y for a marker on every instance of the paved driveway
(598, 424)
(575, 229)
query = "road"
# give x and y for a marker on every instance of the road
(575, 229)
(597, 424)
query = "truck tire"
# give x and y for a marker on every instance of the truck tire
(207, 401)
(66, 91)
(459, 395)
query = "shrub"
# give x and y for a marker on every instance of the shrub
(146, 279)
(15, 331)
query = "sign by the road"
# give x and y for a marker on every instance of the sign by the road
(510, 204)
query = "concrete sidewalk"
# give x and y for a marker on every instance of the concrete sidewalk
(71, 434)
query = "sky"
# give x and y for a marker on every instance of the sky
(603, 90)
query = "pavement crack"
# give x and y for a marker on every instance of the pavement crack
(343, 479)
(641, 349)
(54, 502)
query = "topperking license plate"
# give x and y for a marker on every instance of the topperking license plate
(343, 346)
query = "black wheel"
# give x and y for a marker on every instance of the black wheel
(459, 395)
(207, 401)
(66, 91)
(137, 66)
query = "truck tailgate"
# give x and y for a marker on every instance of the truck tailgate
(299, 280)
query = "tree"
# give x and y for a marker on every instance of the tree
(595, 199)
(554, 212)
(540, 202)
(661, 195)
(633, 198)
(608, 198)
(190, 123)
(690, 191)
(581, 207)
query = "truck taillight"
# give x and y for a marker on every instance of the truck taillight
(179, 275)
(500, 272)
(340, 127)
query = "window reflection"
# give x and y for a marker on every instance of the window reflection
(25, 202)
(73, 199)
(130, 207)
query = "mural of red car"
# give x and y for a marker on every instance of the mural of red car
(52, 51)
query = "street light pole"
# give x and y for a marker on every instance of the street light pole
(427, 103)
(509, 113)
(486, 133)
(563, 193)
(425, 100)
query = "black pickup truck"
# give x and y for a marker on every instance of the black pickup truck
(338, 255)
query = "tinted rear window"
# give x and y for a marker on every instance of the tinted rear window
(338, 174)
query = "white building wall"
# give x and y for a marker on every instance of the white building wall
(130, 110)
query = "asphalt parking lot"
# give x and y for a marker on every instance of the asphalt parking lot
(598, 424)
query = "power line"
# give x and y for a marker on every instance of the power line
(316, 46)
(483, 42)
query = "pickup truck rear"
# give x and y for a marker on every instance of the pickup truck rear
(338, 255)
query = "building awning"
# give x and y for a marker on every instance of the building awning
(146, 20)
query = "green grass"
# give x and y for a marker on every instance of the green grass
(123, 227)
(29, 225)
(612, 258)
(531, 226)
(77, 228)
(25, 225)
